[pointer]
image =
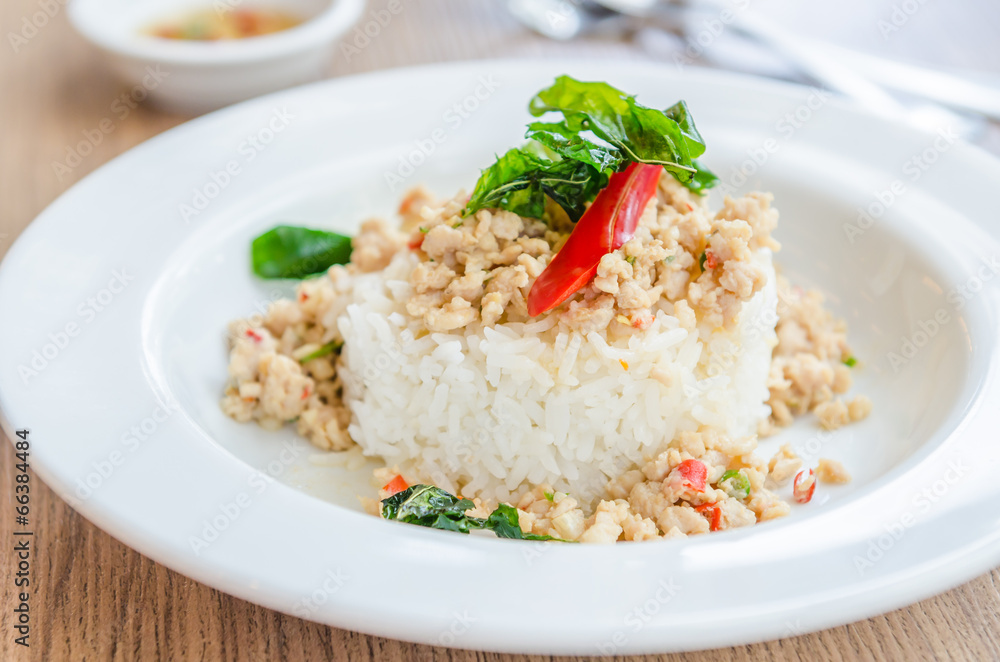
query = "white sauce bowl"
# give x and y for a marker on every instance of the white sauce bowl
(192, 77)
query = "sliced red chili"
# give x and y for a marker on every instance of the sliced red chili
(395, 486)
(715, 523)
(710, 260)
(256, 337)
(804, 486)
(694, 474)
(606, 225)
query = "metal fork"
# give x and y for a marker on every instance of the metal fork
(566, 19)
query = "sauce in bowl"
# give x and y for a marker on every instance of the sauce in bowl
(215, 25)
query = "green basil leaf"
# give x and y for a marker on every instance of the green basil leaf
(521, 178)
(452, 523)
(679, 113)
(569, 159)
(426, 505)
(703, 180)
(504, 522)
(422, 501)
(294, 252)
(641, 134)
(570, 144)
(535, 536)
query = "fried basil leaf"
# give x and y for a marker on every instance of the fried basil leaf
(521, 178)
(426, 505)
(504, 522)
(288, 251)
(559, 139)
(703, 180)
(641, 134)
(570, 158)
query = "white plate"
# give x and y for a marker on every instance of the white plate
(917, 519)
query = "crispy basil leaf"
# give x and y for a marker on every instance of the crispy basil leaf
(521, 178)
(293, 252)
(641, 134)
(570, 144)
(451, 523)
(601, 131)
(504, 522)
(703, 180)
(426, 505)
(679, 113)
(421, 501)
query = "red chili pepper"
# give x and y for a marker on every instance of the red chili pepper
(804, 486)
(694, 474)
(710, 261)
(305, 392)
(395, 486)
(416, 243)
(254, 335)
(606, 225)
(716, 522)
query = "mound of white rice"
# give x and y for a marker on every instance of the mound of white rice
(492, 411)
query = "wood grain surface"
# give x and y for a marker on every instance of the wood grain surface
(95, 599)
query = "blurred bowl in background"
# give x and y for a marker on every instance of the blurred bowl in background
(191, 76)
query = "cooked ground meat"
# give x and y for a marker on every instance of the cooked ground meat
(483, 266)
(657, 500)
(783, 467)
(809, 366)
(831, 471)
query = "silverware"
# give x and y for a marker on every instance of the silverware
(831, 67)
(559, 19)
(953, 89)
(832, 73)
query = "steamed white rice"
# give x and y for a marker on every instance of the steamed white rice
(491, 411)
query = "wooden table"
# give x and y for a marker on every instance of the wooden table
(96, 599)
